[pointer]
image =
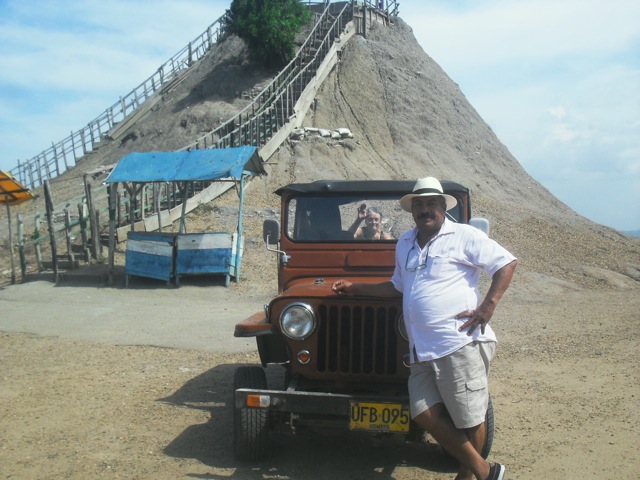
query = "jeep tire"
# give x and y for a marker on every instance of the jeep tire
(489, 423)
(250, 429)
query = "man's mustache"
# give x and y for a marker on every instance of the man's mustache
(425, 216)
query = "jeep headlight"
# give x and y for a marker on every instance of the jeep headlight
(297, 321)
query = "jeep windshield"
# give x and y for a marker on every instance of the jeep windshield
(335, 218)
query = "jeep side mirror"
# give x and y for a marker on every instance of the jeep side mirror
(271, 232)
(271, 236)
(480, 224)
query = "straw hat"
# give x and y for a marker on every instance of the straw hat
(427, 187)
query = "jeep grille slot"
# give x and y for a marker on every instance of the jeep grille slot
(357, 340)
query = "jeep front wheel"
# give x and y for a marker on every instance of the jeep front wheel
(250, 430)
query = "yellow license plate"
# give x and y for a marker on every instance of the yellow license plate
(379, 417)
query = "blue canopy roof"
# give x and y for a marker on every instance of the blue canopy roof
(209, 164)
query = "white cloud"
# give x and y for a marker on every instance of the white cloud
(564, 133)
(558, 112)
(92, 46)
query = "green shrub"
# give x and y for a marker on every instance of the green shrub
(269, 27)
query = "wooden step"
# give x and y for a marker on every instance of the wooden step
(62, 264)
(78, 248)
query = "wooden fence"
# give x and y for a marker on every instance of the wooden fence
(65, 232)
(58, 227)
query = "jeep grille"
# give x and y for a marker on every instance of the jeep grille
(358, 340)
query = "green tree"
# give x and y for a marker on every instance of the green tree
(269, 27)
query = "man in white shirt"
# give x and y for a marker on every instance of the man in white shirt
(438, 265)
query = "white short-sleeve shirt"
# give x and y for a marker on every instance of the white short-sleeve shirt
(439, 281)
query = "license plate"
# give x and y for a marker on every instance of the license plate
(379, 417)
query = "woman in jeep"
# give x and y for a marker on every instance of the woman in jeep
(372, 229)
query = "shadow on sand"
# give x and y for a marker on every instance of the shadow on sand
(305, 456)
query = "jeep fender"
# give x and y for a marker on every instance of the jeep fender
(271, 347)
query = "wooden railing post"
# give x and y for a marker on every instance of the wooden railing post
(21, 253)
(48, 200)
(67, 234)
(37, 238)
(93, 224)
(82, 217)
(13, 265)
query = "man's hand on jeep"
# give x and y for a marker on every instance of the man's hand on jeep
(383, 289)
(342, 287)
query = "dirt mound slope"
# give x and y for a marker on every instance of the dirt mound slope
(409, 120)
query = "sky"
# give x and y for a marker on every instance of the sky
(558, 81)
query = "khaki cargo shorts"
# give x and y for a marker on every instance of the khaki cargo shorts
(459, 380)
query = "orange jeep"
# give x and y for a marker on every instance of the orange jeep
(345, 358)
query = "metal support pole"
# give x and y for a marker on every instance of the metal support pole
(112, 194)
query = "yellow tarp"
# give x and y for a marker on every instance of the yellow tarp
(12, 191)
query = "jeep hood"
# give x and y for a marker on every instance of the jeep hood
(321, 287)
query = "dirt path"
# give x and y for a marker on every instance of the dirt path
(194, 316)
(564, 384)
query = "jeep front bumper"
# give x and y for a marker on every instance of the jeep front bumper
(356, 412)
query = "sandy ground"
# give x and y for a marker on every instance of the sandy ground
(78, 402)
